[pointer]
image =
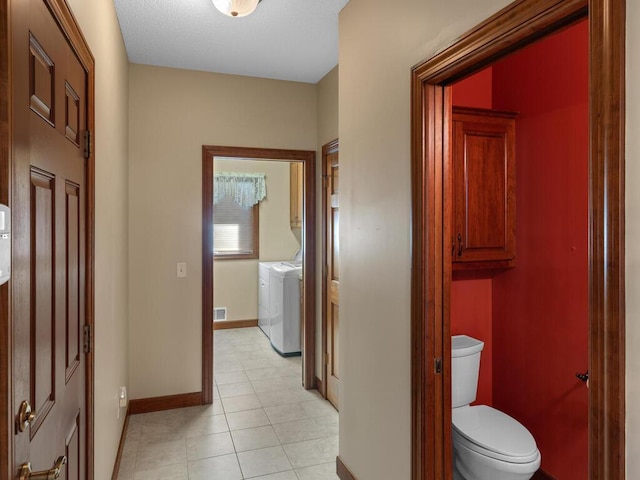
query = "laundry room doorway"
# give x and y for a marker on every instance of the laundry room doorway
(258, 229)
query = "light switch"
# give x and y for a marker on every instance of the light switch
(122, 397)
(182, 270)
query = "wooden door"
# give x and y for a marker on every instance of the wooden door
(331, 281)
(50, 117)
(484, 185)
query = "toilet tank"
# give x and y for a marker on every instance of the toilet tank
(465, 367)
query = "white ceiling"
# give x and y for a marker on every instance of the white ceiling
(283, 39)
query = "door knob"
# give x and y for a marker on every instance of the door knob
(25, 416)
(52, 474)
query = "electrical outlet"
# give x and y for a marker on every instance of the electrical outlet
(181, 270)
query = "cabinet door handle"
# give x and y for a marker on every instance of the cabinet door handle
(459, 244)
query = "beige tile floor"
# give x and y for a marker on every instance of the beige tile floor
(262, 425)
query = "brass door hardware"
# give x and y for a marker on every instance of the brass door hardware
(25, 416)
(51, 474)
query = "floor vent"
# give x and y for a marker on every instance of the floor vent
(220, 313)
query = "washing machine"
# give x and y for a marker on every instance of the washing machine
(284, 307)
(264, 321)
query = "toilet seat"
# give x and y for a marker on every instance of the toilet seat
(494, 434)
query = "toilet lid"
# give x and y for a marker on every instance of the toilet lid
(492, 433)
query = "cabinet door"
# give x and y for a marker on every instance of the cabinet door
(484, 186)
(296, 192)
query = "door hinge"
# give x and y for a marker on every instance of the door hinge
(87, 339)
(325, 271)
(325, 181)
(325, 358)
(438, 365)
(87, 143)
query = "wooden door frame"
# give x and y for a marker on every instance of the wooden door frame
(6, 348)
(327, 149)
(308, 157)
(69, 26)
(514, 27)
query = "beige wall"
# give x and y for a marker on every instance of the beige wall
(99, 24)
(633, 240)
(379, 43)
(328, 108)
(327, 132)
(235, 282)
(172, 114)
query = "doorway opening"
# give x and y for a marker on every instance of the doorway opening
(516, 26)
(257, 224)
(232, 155)
(529, 212)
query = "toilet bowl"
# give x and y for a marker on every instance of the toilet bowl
(487, 443)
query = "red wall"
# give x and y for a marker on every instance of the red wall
(540, 307)
(471, 312)
(471, 315)
(474, 91)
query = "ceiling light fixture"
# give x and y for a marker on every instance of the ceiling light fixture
(236, 8)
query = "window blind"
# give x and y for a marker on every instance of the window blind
(233, 228)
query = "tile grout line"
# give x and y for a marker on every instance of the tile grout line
(323, 427)
(244, 371)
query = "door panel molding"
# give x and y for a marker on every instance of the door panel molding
(73, 263)
(308, 157)
(514, 27)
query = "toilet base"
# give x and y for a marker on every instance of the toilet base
(470, 465)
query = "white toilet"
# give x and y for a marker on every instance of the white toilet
(487, 444)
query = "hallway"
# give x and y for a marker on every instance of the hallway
(262, 424)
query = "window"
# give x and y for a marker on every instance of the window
(235, 230)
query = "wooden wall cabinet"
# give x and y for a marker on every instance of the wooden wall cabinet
(484, 189)
(297, 194)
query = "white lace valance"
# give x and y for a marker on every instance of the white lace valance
(246, 189)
